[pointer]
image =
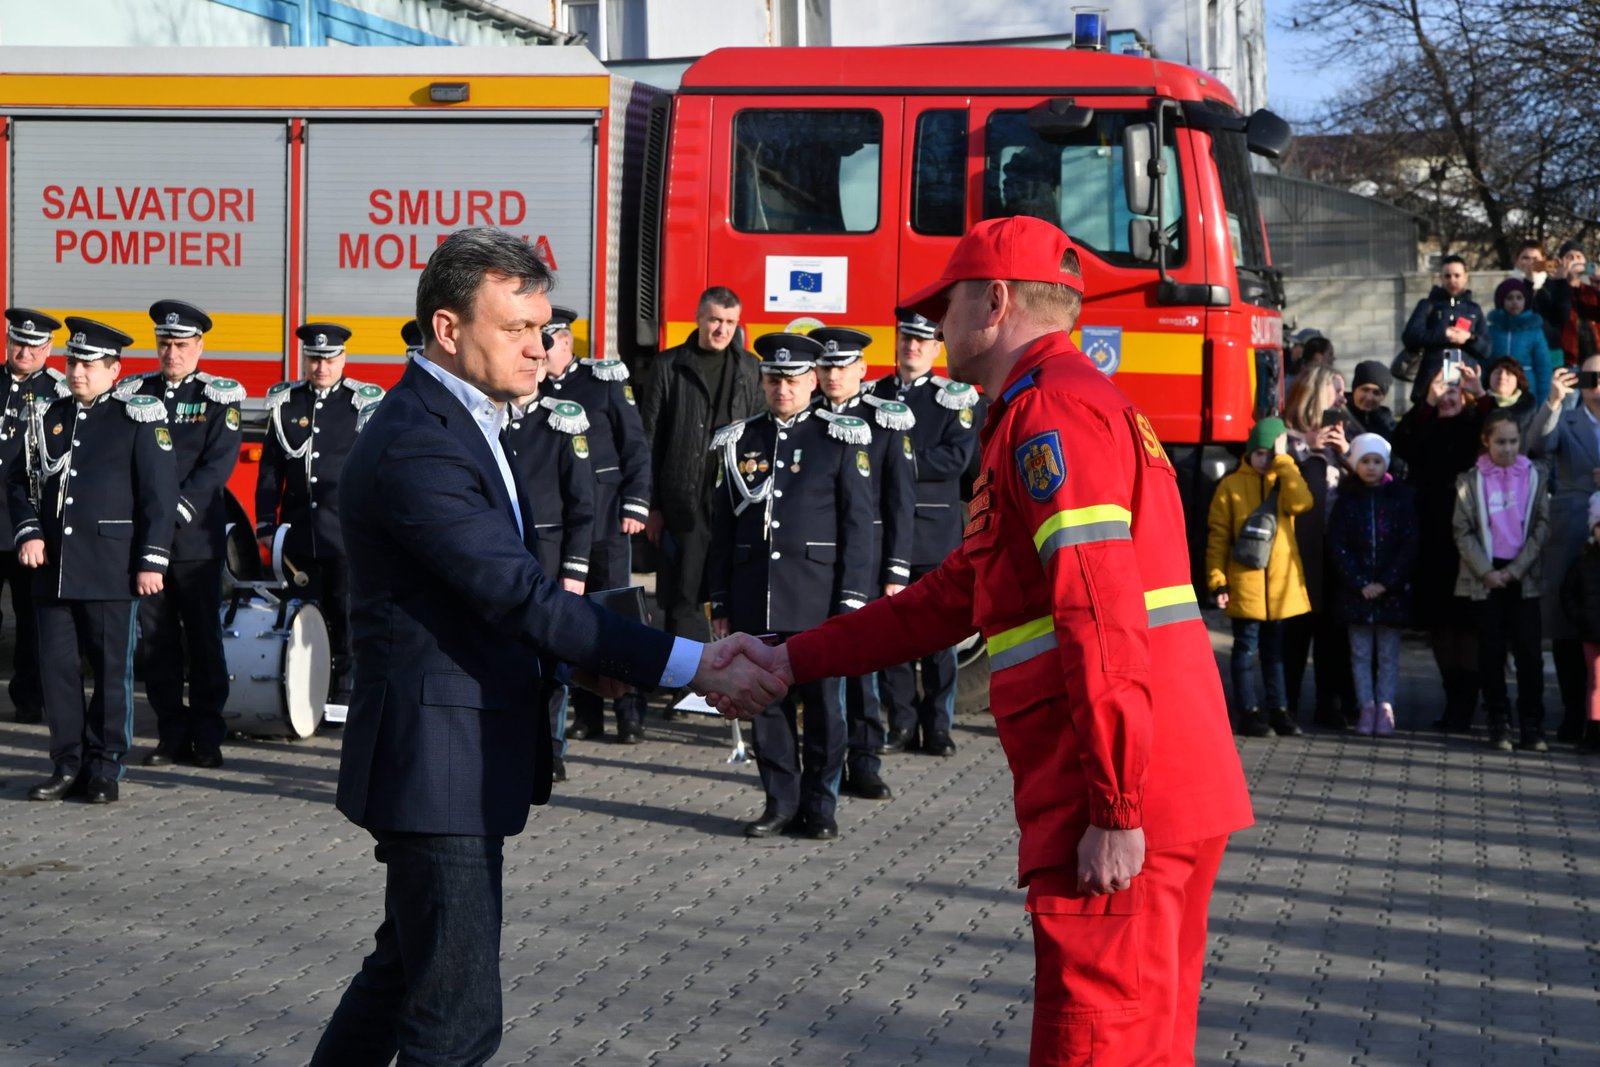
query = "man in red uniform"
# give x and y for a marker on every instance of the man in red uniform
(1073, 565)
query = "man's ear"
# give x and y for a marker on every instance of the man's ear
(997, 301)
(447, 330)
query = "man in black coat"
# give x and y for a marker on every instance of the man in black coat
(311, 426)
(791, 545)
(181, 626)
(1447, 319)
(706, 382)
(94, 504)
(944, 441)
(453, 622)
(28, 336)
(841, 366)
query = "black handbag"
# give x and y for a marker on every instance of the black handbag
(1406, 364)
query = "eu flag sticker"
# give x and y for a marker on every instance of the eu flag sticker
(1103, 346)
(1041, 464)
(805, 281)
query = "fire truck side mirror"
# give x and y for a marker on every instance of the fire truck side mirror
(1058, 120)
(1267, 134)
(1138, 151)
(1142, 236)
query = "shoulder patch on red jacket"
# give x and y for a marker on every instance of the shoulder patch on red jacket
(1149, 443)
(1042, 465)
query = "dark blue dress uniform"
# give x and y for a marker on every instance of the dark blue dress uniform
(791, 544)
(310, 431)
(944, 441)
(620, 456)
(548, 449)
(24, 326)
(100, 487)
(203, 413)
(894, 494)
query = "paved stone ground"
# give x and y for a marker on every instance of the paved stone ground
(1411, 901)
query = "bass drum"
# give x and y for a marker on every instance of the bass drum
(279, 663)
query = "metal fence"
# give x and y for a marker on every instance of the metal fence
(1322, 231)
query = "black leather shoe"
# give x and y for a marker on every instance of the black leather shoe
(161, 756)
(771, 823)
(866, 785)
(819, 829)
(577, 731)
(209, 758)
(1282, 724)
(29, 714)
(101, 791)
(56, 787)
(558, 769)
(629, 732)
(940, 745)
(1253, 724)
(898, 741)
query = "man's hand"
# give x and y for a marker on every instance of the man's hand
(607, 688)
(1562, 383)
(654, 527)
(1108, 860)
(573, 585)
(739, 676)
(149, 583)
(631, 526)
(892, 588)
(31, 552)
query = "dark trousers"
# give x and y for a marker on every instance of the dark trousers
(554, 699)
(935, 710)
(186, 617)
(25, 689)
(1255, 640)
(863, 709)
(1572, 678)
(610, 567)
(93, 737)
(1509, 621)
(680, 579)
(1455, 653)
(430, 990)
(330, 588)
(1320, 634)
(802, 776)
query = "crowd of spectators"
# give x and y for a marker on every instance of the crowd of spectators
(1473, 517)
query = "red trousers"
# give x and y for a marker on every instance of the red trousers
(1117, 980)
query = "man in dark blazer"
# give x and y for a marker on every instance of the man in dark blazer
(452, 620)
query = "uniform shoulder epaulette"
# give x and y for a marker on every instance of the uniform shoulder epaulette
(957, 396)
(607, 370)
(730, 433)
(131, 384)
(42, 404)
(57, 375)
(279, 394)
(63, 390)
(890, 414)
(847, 428)
(221, 390)
(566, 416)
(144, 408)
(363, 394)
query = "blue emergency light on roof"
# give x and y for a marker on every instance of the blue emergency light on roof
(1089, 28)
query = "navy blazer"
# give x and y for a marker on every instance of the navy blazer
(450, 615)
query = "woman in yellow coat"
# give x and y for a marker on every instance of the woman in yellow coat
(1256, 598)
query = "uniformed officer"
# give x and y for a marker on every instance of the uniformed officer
(183, 622)
(1104, 689)
(944, 440)
(28, 337)
(791, 544)
(547, 446)
(95, 502)
(840, 369)
(311, 424)
(621, 460)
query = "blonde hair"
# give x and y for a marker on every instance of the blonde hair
(1050, 302)
(1303, 408)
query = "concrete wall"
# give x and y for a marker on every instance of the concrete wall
(1362, 316)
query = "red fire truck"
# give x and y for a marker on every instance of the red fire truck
(274, 187)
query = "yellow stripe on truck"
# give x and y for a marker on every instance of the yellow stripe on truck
(230, 331)
(303, 93)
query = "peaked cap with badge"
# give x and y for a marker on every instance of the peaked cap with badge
(32, 328)
(841, 345)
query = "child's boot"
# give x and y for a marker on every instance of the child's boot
(1385, 721)
(1368, 720)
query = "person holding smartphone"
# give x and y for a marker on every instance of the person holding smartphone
(1566, 434)
(1445, 324)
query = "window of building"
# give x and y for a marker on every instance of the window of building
(807, 171)
(939, 173)
(613, 29)
(1078, 185)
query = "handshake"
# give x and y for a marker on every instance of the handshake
(740, 674)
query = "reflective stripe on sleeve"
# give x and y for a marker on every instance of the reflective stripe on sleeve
(1021, 643)
(1175, 603)
(1082, 526)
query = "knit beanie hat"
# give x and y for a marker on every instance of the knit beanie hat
(1594, 510)
(1365, 445)
(1568, 246)
(1372, 372)
(1265, 433)
(1513, 285)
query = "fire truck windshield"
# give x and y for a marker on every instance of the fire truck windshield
(1232, 157)
(1078, 185)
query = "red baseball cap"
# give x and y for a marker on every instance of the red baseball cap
(1020, 248)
